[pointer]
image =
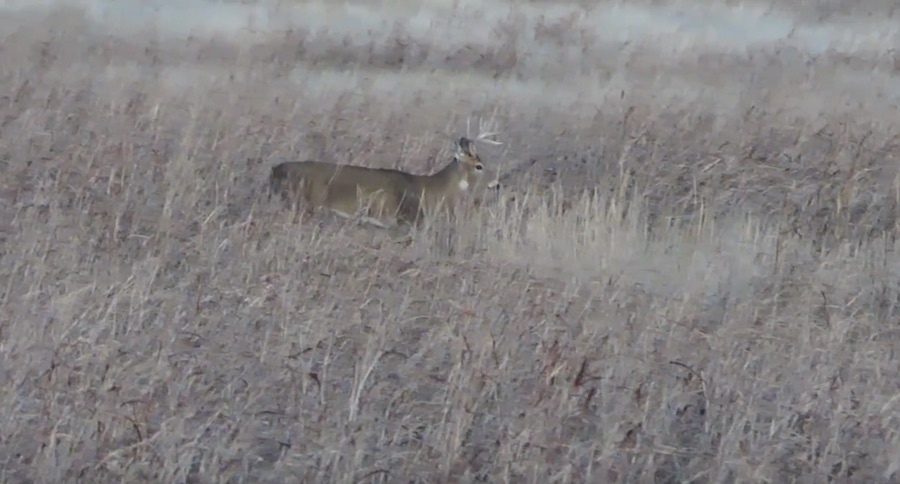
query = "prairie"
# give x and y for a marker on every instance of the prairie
(690, 274)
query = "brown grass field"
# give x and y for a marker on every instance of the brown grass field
(690, 274)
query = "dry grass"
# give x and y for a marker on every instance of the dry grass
(693, 281)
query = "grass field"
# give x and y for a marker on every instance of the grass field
(690, 274)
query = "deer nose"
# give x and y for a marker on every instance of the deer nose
(494, 185)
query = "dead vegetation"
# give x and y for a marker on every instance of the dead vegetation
(664, 293)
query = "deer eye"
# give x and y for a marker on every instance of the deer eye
(479, 167)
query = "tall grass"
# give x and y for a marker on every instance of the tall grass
(664, 291)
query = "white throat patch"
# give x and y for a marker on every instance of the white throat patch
(463, 185)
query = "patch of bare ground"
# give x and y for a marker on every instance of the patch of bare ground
(664, 291)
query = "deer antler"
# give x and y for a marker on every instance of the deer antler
(482, 134)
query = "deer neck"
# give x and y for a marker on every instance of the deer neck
(449, 174)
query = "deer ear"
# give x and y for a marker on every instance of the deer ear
(464, 145)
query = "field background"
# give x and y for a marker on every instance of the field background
(690, 275)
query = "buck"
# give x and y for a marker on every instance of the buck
(384, 197)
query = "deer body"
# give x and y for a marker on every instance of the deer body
(388, 197)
